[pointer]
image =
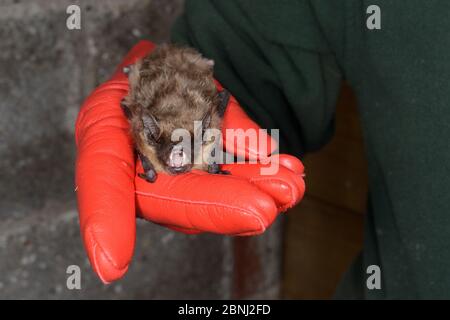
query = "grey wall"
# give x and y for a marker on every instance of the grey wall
(45, 73)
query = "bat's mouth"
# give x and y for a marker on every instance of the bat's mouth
(178, 161)
(178, 170)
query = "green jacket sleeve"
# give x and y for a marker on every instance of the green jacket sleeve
(275, 59)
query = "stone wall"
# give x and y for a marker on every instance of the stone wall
(46, 72)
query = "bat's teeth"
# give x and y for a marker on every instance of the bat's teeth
(178, 158)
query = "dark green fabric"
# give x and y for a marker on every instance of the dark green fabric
(285, 61)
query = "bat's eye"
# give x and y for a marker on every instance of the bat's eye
(151, 128)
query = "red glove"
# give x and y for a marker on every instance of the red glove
(110, 192)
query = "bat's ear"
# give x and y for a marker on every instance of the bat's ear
(224, 98)
(152, 130)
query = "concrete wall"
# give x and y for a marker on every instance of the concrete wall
(45, 73)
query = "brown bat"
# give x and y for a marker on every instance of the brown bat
(170, 89)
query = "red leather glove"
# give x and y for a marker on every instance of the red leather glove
(110, 193)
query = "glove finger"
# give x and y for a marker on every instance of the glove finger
(105, 171)
(205, 202)
(284, 185)
(292, 163)
(173, 228)
(105, 182)
(183, 230)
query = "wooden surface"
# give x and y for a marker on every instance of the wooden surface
(324, 233)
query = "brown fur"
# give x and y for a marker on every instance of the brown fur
(175, 85)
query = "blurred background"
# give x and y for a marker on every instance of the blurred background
(46, 72)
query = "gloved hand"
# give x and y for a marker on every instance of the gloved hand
(110, 193)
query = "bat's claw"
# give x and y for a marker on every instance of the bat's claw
(149, 172)
(149, 176)
(215, 169)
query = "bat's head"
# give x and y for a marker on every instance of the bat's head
(174, 141)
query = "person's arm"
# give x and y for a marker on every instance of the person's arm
(277, 60)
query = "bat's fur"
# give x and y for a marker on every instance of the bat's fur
(170, 88)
